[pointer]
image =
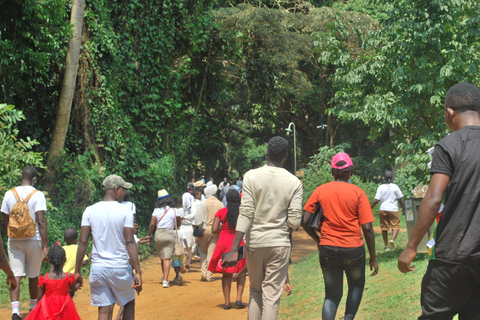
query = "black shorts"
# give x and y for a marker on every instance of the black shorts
(449, 289)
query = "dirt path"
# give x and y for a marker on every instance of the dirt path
(193, 300)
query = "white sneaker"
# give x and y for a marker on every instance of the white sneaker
(166, 284)
(392, 244)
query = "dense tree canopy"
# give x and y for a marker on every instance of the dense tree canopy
(169, 90)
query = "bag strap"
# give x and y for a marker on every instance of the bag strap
(17, 197)
(29, 195)
(162, 217)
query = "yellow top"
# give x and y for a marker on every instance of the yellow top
(71, 255)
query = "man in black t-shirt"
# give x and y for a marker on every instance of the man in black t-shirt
(451, 284)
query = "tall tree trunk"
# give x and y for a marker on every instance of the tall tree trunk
(68, 88)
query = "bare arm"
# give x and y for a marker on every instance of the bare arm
(151, 226)
(374, 203)
(231, 259)
(5, 219)
(11, 281)
(133, 253)
(402, 204)
(82, 249)
(426, 214)
(41, 292)
(42, 228)
(370, 239)
(307, 216)
(216, 225)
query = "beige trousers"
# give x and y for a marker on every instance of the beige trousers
(207, 246)
(267, 271)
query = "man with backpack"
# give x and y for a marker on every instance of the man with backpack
(24, 222)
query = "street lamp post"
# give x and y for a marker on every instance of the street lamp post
(294, 145)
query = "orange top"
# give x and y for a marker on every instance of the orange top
(345, 208)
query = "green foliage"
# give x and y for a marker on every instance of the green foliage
(15, 152)
(319, 171)
(423, 48)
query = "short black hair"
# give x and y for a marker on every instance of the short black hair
(342, 172)
(463, 97)
(388, 176)
(164, 202)
(70, 234)
(29, 173)
(196, 192)
(56, 255)
(277, 149)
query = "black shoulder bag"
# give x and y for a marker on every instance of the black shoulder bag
(317, 217)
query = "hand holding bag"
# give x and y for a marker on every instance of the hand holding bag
(179, 249)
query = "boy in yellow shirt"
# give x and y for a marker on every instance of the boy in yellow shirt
(70, 236)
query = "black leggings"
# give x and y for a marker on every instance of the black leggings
(334, 261)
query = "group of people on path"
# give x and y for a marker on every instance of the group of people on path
(254, 233)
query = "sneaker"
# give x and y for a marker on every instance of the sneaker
(15, 316)
(387, 248)
(392, 244)
(196, 257)
(175, 280)
(166, 284)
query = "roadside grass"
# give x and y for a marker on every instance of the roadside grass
(390, 295)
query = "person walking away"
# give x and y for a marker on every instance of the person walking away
(70, 236)
(227, 217)
(188, 221)
(163, 218)
(451, 284)
(177, 260)
(110, 224)
(271, 203)
(341, 249)
(204, 217)
(27, 235)
(54, 299)
(388, 194)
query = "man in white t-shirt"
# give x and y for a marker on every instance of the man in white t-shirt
(388, 194)
(129, 204)
(26, 252)
(111, 225)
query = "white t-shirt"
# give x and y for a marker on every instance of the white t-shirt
(187, 200)
(36, 203)
(107, 220)
(131, 206)
(168, 221)
(388, 194)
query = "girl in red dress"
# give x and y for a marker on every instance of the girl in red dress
(228, 218)
(54, 302)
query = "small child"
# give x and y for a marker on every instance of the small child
(54, 302)
(70, 236)
(177, 261)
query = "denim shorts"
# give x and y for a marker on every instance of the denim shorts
(111, 285)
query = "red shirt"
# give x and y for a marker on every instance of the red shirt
(345, 208)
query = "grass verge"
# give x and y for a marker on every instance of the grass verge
(388, 295)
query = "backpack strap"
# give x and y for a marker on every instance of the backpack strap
(17, 197)
(29, 195)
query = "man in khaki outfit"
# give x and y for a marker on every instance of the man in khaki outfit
(271, 203)
(204, 217)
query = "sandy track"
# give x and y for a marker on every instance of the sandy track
(193, 300)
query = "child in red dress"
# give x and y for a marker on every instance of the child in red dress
(228, 217)
(54, 301)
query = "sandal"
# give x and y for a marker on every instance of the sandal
(240, 304)
(226, 307)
